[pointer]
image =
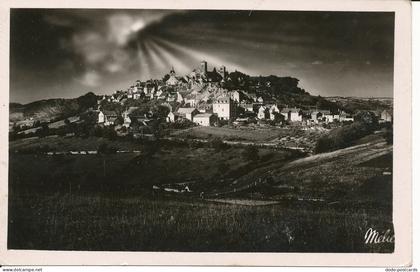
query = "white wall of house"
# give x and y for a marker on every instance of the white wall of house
(101, 118)
(261, 113)
(223, 110)
(171, 117)
(295, 117)
(202, 121)
(235, 96)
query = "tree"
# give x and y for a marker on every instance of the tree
(161, 111)
(218, 144)
(367, 117)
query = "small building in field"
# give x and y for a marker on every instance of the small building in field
(205, 119)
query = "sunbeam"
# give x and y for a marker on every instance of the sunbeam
(178, 64)
(144, 71)
(156, 56)
(199, 56)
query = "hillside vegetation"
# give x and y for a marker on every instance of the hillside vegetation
(52, 108)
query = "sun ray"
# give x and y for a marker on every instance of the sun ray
(144, 71)
(200, 55)
(155, 56)
(178, 64)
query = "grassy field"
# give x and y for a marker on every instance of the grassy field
(69, 144)
(284, 137)
(137, 222)
(107, 202)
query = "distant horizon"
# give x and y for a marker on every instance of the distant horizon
(65, 53)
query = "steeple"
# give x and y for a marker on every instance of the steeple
(172, 72)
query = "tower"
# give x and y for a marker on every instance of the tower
(222, 71)
(203, 67)
(172, 72)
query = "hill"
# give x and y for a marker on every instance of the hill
(353, 104)
(51, 108)
(284, 91)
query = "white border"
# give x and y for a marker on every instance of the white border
(402, 144)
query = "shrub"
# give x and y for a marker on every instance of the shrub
(218, 144)
(105, 149)
(250, 153)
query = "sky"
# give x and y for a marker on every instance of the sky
(65, 53)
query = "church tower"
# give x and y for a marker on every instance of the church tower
(172, 72)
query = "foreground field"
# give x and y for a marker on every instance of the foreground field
(283, 137)
(277, 202)
(137, 222)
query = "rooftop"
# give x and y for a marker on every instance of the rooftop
(186, 110)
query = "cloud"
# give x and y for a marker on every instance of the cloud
(122, 26)
(103, 43)
(317, 62)
(90, 79)
(91, 46)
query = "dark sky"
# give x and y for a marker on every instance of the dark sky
(66, 53)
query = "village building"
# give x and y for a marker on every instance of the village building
(292, 114)
(204, 107)
(273, 111)
(322, 116)
(170, 118)
(190, 100)
(249, 107)
(107, 118)
(224, 107)
(172, 80)
(179, 97)
(205, 119)
(188, 113)
(222, 72)
(127, 120)
(328, 118)
(345, 117)
(386, 116)
(252, 97)
(237, 96)
(263, 112)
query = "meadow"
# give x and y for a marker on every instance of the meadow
(109, 201)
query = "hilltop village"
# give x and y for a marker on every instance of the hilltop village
(211, 99)
(201, 98)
